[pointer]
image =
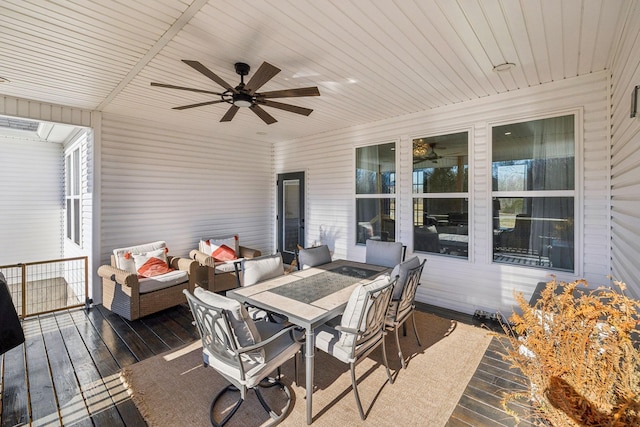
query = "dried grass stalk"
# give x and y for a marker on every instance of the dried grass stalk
(579, 351)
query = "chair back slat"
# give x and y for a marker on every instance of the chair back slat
(407, 300)
(372, 320)
(215, 332)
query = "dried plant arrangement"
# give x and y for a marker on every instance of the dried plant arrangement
(579, 351)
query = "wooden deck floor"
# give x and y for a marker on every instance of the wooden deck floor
(67, 372)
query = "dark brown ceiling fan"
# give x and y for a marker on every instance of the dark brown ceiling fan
(246, 95)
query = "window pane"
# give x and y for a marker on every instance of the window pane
(76, 221)
(441, 226)
(67, 168)
(534, 231)
(376, 169)
(69, 213)
(376, 219)
(535, 155)
(441, 163)
(76, 172)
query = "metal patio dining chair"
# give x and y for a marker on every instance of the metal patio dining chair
(244, 352)
(402, 305)
(361, 329)
(386, 254)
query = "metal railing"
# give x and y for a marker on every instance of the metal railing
(47, 286)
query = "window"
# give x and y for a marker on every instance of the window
(72, 195)
(440, 194)
(533, 175)
(375, 192)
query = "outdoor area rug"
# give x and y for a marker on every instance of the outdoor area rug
(175, 389)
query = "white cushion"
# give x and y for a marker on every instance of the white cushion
(386, 254)
(356, 306)
(328, 340)
(225, 267)
(152, 263)
(402, 271)
(223, 248)
(310, 257)
(261, 268)
(172, 278)
(243, 327)
(124, 260)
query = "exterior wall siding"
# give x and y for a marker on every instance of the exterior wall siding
(32, 197)
(625, 159)
(28, 109)
(477, 283)
(85, 142)
(178, 184)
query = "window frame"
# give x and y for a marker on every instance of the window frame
(361, 196)
(464, 195)
(73, 194)
(576, 193)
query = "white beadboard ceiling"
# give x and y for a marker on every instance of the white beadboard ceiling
(371, 60)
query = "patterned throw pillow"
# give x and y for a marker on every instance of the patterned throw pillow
(152, 263)
(223, 249)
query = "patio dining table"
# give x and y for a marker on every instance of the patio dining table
(309, 298)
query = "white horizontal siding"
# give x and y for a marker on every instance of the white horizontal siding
(625, 159)
(476, 283)
(172, 183)
(32, 204)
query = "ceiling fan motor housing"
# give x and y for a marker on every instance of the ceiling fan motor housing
(242, 68)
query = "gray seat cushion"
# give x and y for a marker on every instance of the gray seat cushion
(386, 254)
(402, 271)
(311, 257)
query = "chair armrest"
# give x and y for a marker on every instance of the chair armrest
(119, 276)
(289, 329)
(246, 252)
(202, 258)
(184, 264)
(345, 329)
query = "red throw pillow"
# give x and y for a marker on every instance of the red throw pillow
(224, 253)
(152, 263)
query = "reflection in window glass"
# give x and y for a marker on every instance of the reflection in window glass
(376, 219)
(441, 164)
(535, 155)
(441, 226)
(440, 188)
(376, 175)
(376, 169)
(534, 230)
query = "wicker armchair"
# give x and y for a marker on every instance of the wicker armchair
(219, 273)
(131, 296)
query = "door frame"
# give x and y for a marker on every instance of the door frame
(288, 256)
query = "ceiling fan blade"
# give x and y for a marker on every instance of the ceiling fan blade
(265, 73)
(185, 88)
(291, 93)
(207, 72)
(200, 104)
(287, 107)
(231, 112)
(266, 117)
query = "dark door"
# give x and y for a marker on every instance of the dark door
(290, 214)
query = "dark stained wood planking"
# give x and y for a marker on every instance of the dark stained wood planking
(86, 351)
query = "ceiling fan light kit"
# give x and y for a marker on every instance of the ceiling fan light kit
(246, 95)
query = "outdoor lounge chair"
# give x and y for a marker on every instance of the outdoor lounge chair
(143, 279)
(219, 262)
